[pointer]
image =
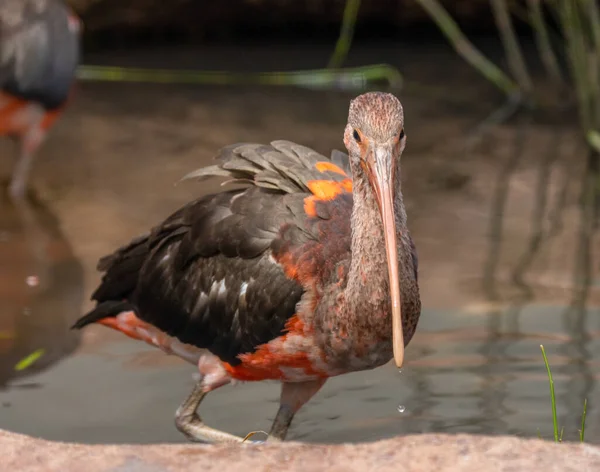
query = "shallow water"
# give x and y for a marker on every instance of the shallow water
(502, 269)
(478, 380)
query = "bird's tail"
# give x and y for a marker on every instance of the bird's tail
(108, 309)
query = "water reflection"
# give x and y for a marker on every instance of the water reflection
(546, 223)
(41, 291)
(500, 256)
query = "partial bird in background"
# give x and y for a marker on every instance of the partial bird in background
(39, 55)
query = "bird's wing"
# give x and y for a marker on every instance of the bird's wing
(39, 50)
(226, 271)
(283, 166)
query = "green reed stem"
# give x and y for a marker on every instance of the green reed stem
(552, 395)
(592, 13)
(542, 38)
(582, 430)
(342, 47)
(466, 49)
(512, 48)
(577, 51)
(354, 78)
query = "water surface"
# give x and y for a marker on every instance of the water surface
(506, 264)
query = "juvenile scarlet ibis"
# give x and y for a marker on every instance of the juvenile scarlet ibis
(39, 54)
(306, 273)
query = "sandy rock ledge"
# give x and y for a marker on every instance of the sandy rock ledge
(427, 452)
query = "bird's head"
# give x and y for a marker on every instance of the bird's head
(375, 139)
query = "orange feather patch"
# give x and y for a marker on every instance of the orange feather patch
(270, 360)
(324, 190)
(324, 166)
(329, 189)
(288, 357)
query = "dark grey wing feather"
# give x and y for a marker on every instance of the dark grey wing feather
(283, 165)
(341, 160)
(207, 274)
(39, 50)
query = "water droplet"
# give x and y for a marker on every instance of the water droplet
(399, 371)
(32, 280)
(401, 408)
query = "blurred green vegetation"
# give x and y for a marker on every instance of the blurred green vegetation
(575, 25)
(566, 32)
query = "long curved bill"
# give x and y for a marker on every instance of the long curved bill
(380, 162)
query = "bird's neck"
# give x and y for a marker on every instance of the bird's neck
(367, 290)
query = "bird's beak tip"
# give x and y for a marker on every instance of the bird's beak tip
(399, 360)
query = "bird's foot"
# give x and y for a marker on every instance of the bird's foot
(195, 430)
(191, 425)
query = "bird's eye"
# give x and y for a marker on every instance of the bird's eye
(401, 134)
(356, 136)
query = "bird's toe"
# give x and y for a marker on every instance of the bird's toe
(255, 441)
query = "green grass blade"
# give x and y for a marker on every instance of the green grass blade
(552, 395)
(582, 430)
(562, 431)
(29, 360)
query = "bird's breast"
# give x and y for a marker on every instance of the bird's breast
(310, 351)
(352, 344)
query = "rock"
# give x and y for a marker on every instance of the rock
(427, 452)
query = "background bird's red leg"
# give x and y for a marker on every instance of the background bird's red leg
(22, 169)
(293, 397)
(31, 139)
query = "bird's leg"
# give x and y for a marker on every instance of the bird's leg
(18, 181)
(30, 142)
(190, 424)
(187, 420)
(293, 397)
